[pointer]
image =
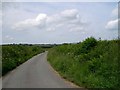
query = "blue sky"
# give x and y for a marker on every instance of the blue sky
(60, 22)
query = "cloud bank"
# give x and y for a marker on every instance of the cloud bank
(70, 19)
(28, 23)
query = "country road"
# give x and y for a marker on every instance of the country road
(35, 73)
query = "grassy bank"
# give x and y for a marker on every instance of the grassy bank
(91, 63)
(14, 55)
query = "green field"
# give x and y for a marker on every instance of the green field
(91, 63)
(14, 55)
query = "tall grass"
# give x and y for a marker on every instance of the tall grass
(91, 63)
(14, 55)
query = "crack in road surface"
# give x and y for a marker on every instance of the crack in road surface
(34, 73)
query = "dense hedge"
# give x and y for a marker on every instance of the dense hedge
(14, 55)
(91, 63)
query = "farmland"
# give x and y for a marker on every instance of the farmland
(14, 55)
(91, 63)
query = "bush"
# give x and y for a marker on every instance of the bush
(14, 55)
(91, 63)
(86, 46)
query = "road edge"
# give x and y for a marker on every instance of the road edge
(66, 80)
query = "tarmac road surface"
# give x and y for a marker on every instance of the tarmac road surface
(35, 73)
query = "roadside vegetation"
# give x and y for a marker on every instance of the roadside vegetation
(14, 55)
(0, 60)
(91, 63)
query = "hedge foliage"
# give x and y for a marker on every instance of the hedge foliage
(91, 63)
(14, 55)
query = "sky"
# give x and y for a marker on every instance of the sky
(58, 22)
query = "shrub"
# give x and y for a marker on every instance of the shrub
(91, 63)
(86, 46)
(14, 55)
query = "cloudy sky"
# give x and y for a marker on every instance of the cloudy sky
(60, 22)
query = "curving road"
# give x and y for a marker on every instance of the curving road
(34, 73)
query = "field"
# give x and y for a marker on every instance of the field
(91, 63)
(14, 55)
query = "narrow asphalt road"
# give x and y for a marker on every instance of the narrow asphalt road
(35, 73)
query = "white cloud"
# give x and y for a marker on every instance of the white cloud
(115, 11)
(69, 19)
(112, 25)
(28, 23)
(72, 13)
(54, 22)
(64, 16)
(41, 17)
